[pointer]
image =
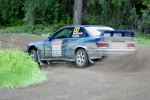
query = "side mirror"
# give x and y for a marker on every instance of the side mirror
(50, 37)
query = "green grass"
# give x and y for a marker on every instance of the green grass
(142, 39)
(34, 30)
(18, 69)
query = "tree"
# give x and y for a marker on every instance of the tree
(77, 13)
(10, 12)
(30, 8)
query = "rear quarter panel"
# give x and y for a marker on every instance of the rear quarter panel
(89, 44)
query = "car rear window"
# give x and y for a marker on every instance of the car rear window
(96, 31)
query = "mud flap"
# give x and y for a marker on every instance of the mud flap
(39, 61)
(91, 61)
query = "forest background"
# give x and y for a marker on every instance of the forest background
(45, 16)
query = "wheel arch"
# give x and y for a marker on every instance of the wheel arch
(81, 48)
(32, 47)
(84, 48)
(38, 57)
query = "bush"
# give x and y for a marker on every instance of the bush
(18, 69)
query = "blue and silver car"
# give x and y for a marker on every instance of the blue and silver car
(82, 44)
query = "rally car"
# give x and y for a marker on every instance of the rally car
(82, 44)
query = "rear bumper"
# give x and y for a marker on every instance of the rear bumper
(94, 54)
(109, 52)
(98, 53)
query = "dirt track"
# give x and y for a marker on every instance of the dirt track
(111, 78)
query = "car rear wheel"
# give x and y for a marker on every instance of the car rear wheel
(81, 58)
(33, 54)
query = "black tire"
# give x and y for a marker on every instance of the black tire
(33, 54)
(81, 58)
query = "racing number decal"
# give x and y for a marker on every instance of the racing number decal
(76, 33)
(76, 29)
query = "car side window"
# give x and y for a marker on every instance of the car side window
(78, 33)
(63, 33)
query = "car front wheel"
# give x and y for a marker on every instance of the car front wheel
(81, 58)
(33, 55)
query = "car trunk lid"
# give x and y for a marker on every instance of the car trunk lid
(117, 39)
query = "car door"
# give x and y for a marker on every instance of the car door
(76, 39)
(58, 44)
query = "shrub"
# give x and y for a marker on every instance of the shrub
(18, 69)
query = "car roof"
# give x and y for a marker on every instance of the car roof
(88, 26)
(95, 33)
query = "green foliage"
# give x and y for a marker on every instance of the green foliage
(119, 14)
(10, 11)
(12, 30)
(12, 41)
(144, 25)
(36, 29)
(56, 10)
(105, 12)
(146, 2)
(142, 39)
(19, 12)
(18, 69)
(48, 11)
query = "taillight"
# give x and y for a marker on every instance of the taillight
(132, 44)
(102, 44)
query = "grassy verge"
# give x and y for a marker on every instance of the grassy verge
(34, 30)
(142, 39)
(18, 69)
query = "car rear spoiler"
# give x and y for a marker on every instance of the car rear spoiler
(121, 33)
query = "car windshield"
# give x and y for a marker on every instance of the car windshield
(96, 31)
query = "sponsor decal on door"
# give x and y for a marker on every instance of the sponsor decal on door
(56, 48)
